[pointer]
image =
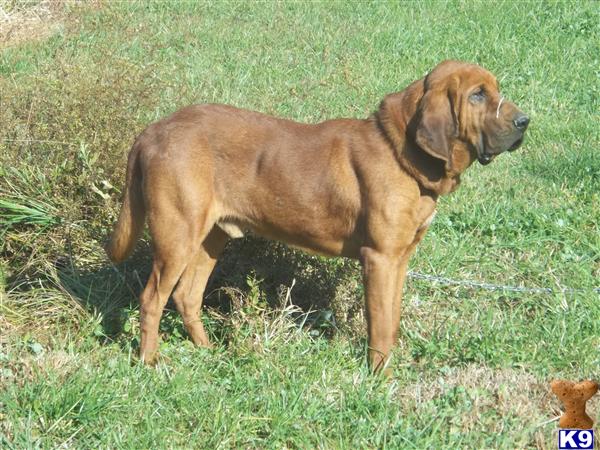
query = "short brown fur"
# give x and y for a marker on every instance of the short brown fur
(363, 189)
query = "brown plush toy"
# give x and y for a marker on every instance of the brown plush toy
(574, 397)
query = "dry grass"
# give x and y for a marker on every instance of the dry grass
(490, 399)
(508, 391)
(22, 21)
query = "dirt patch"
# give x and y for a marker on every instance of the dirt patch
(22, 21)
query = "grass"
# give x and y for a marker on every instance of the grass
(473, 366)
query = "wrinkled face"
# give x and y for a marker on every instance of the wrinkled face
(461, 103)
(491, 123)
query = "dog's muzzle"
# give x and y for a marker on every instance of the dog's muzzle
(484, 159)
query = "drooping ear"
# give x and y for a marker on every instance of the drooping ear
(436, 126)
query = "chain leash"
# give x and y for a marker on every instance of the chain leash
(496, 287)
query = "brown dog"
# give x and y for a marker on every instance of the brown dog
(363, 189)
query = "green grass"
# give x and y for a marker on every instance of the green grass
(472, 366)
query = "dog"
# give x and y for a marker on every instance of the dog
(357, 188)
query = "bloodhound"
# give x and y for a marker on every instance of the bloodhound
(364, 189)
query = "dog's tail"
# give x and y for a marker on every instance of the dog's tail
(133, 212)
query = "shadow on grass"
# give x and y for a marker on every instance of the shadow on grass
(112, 292)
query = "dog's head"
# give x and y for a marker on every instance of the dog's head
(442, 123)
(462, 104)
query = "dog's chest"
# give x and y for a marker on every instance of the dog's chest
(426, 211)
(427, 220)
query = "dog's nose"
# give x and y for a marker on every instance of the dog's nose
(521, 121)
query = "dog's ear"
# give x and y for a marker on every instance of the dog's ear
(436, 123)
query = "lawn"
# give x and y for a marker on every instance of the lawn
(78, 82)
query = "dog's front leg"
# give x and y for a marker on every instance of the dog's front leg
(401, 277)
(380, 278)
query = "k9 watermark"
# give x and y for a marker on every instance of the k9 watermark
(570, 439)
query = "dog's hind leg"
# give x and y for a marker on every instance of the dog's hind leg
(177, 236)
(166, 271)
(188, 295)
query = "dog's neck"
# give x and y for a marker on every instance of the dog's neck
(395, 120)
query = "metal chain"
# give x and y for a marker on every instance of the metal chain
(495, 287)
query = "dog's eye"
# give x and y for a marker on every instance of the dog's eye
(477, 96)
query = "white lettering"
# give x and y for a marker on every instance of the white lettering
(565, 439)
(586, 438)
